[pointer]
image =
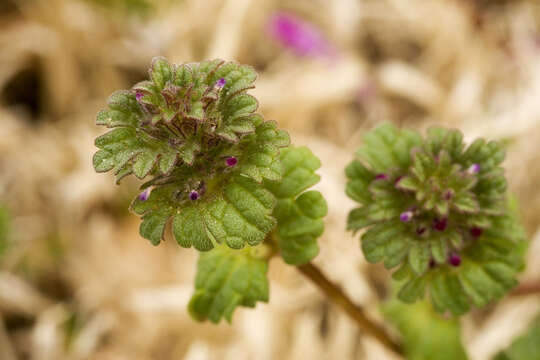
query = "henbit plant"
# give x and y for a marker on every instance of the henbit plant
(440, 211)
(239, 193)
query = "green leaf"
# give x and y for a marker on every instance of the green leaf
(125, 147)
(387, 147)
(161, 72)
(526, 346)
(426, 335)
(419, 255)
(123, 111)
(226, 279)
(261, 149)
(299, 166)
(299, 214)
(236, 214)
(242, 215)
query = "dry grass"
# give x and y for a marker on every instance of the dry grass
(80, 283)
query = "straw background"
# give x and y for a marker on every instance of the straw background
(79, 282)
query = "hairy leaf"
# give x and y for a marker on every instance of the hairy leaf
(299, 213)
(226, 279)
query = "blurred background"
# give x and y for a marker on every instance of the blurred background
(76, 279)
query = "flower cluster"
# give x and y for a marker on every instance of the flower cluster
(439, 209)
(194, 130)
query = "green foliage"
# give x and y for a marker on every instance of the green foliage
(439, 209)
(226, 279)
(182, 128)
(527, 346)
(426, 335)
(299, 212)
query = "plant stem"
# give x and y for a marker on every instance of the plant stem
(336, 295)
(526, 289)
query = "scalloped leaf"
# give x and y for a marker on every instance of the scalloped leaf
(123, 111)
(299, 213)
(226, 279)
(261, 149)
(126, 147)
(387, 147)
(426, 335)
(237, 214)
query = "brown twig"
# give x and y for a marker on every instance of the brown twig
(336, 295)
(526, 289)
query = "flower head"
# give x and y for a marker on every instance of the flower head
(445, 201)
(221, 83)
(143, 196)
(298, 35)
(231, 161)
(406, 216)
(473, 169)
(193, 195)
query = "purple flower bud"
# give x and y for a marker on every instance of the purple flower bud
(473, 169)
(193, 195)
(145, 194)
(449, 194)
(406, 216)
(220, 83)
(420, 230)
(381, 177)
(440, 224)
(139, 95)
(431, 263)
(231, 161)
(454, 259)
(476, 232)
(300, 36)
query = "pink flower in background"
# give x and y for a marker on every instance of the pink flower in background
(298, 35)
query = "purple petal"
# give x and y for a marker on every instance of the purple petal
(440, 224)
(476, 232)
(145, 194)
(381, 177)
(454, 259)
(221, 83)
(406, 216)
(473, 169)
(193, 195)
(298, 35)
(231, 161)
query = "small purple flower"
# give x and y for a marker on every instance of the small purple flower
(139, 95)
(406, 216)
(145, 194)
(473, 169)
(231, 161)
(300, 36)
(193, 195)
(476, 232)
(440, 224)
(220, 83)
(381, 177)
(454, 259)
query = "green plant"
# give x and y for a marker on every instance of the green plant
(235, 190)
